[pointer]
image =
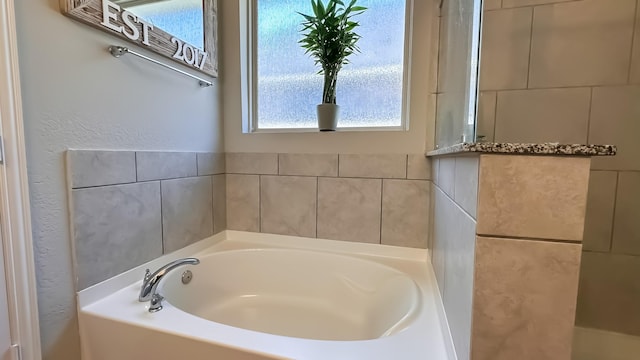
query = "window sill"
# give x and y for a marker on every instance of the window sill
(315, 130)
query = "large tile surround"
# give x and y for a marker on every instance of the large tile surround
(381, 199)
(583, 53)
(507, 272)
(129, 207)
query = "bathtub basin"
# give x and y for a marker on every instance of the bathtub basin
(263, 297)
(297, 293)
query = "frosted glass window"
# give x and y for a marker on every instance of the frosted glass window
(180, 18)
(369, 90)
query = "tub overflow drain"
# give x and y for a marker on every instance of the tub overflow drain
(187, 276)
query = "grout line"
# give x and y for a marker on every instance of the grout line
(161, 222)
(406, 166)
(135, 161)
(533, 10)
(523, 238)
(633, 40)
(338, 175)
(550, 3)
(317, 202)
(589, 115)
(613, 215)
(259, 203)
(495, 118)
(381, 197)
(558, 87)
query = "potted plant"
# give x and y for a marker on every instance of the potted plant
(329, 37)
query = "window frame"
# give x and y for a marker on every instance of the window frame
(249, 77)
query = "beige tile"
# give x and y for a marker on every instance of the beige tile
(393, 166)
(211, 163)
(219, 183)
(492, 4)
(252, 163)
(418, 167)
(116, 228)
(447, 174)
(536, 116)
(506, 36)
(432, 205)
(288, 205)
(533, 196)
(155, 165)
(598, 225)
(458, 289)
(187, 211)
(465, 191)
(626, 231)
(405, 213)
(349, 209)
(609, 293)
(614, 120)
(581, 43)
(435, 169)
(308, 164)
(243, 202)
(486, 123)
(443, 216)
(517, 3)
(524, 299)
(96, 168)
(635, 59)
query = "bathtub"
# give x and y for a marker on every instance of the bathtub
(262, 296)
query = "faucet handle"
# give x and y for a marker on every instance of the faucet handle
(147, 275)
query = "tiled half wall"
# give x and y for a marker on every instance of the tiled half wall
(130, 207)
(381, 199)
(506, 246)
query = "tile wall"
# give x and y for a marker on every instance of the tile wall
(507, 236)
(381, 199)
(454, 241)
(569, 71)
(130, 207)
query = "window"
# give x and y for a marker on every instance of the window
(287, 87)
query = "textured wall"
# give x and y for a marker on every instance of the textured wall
(76, 95)
(569, 71)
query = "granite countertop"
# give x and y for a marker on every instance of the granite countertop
(527, 149)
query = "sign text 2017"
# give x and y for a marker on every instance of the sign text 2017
(112, 12)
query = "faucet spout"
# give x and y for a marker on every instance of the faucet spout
(148, 292)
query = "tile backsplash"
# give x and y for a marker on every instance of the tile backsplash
(129, 207)
(381, 199)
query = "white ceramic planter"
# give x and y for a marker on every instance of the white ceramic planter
(328, 117)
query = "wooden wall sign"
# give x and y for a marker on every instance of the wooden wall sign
(111, 17)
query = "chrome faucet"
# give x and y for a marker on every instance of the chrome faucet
(148, 292)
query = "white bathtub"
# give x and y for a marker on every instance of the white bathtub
(260, 296)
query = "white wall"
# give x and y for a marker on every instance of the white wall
(422, 109)
(76, 95)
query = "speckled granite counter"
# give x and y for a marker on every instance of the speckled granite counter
(527, 149)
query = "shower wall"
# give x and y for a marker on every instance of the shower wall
(569, 72)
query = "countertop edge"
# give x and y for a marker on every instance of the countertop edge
(527, 149)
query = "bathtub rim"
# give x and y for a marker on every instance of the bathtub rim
(232, 240)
